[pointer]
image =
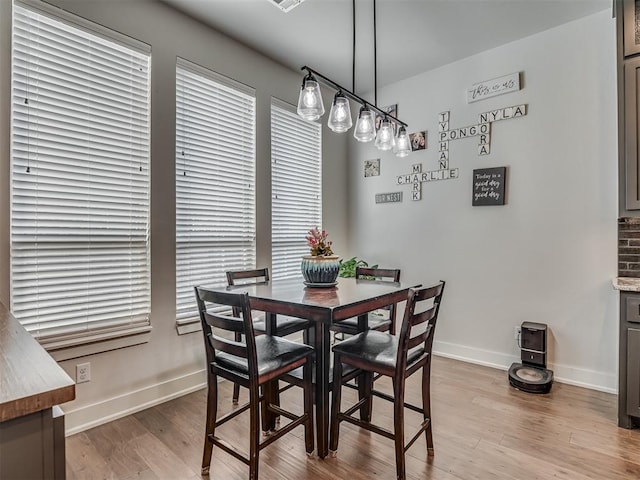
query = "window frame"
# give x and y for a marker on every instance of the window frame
(93, 340)
(243, 252)
(297, 188)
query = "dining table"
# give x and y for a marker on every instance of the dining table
(322, 306)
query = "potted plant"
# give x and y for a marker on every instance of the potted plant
(348, 267)
(321, 267)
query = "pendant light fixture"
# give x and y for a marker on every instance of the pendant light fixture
(402, 147)
(384, 136)
(365, 130)
(340, 114)
(310, 107)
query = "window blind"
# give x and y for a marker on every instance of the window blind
(296, 187)
(215, 182)
(80, 182)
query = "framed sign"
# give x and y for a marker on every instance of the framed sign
(489, 186)
(392, 197)
(496, 86)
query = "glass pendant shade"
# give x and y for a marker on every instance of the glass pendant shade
(384, 137)
(365, 129)
(402, 148)
(310, 106)
(340, 114)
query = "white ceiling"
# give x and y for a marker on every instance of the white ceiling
(413, 36)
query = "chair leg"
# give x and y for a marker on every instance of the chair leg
(398, 421)
(365, 385)
(236, 386)
(308, 405)
(426, 404)
(254, 433)
(335, 404)
(236, 394)
(267, 398)
(212, 411)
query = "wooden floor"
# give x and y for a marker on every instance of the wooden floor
(483, 429)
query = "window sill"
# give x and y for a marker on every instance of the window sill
(188, 326)
(66, 350)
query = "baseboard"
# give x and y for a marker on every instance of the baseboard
(591, 379)
(90, 416)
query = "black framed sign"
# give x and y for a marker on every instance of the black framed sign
(489, 186)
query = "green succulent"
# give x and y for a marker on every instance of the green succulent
(348, 267)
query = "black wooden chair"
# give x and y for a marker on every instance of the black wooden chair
(395, 356)
(256, 364)
(284, 325)
(383, 320)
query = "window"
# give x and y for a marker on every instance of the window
(296, 187)
(79, 179)
(215, 183)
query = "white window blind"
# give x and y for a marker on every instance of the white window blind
(296, 187)
(215, 182)
(80, 182)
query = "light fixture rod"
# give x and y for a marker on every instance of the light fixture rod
(352, 95)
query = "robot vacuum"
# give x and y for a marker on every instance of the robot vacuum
(531, 375)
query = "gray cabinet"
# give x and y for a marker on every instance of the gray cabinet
(631, 30)
(33, 447)
(631, 159)
(629, 367)
(628, 33)
(633, 372)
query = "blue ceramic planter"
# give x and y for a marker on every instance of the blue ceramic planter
(320, 270)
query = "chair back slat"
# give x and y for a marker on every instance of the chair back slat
(241, 277)
(224, 322)
(384, 274)
(389, 274)
(426, 301)
(221, 344)
(215, 340)
(419, 319)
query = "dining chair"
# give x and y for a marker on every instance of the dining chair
(257, 364)
(395, 356)
(384, 319)
(285, 325)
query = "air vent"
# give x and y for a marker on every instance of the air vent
(286, 5)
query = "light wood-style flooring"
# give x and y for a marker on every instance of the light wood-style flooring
(483, 429)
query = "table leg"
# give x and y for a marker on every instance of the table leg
(323, 352)
(270, 389)
(365, 381)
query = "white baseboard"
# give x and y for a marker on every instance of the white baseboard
(89, 416)
(591, 379)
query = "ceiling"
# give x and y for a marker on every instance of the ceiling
(413, 36)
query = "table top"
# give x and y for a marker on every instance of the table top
(339, 302)
(30, 379)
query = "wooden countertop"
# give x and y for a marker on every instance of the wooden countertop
(627, 284)
(30, 380)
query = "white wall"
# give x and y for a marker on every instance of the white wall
(132, 378)
(549, 255)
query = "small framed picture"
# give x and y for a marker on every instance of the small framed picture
(418, 140)
(372, 167)
(391, 110)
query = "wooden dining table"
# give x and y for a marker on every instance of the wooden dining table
(323, 307)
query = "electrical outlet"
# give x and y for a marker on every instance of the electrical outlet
(516, 332)
(83, 372)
